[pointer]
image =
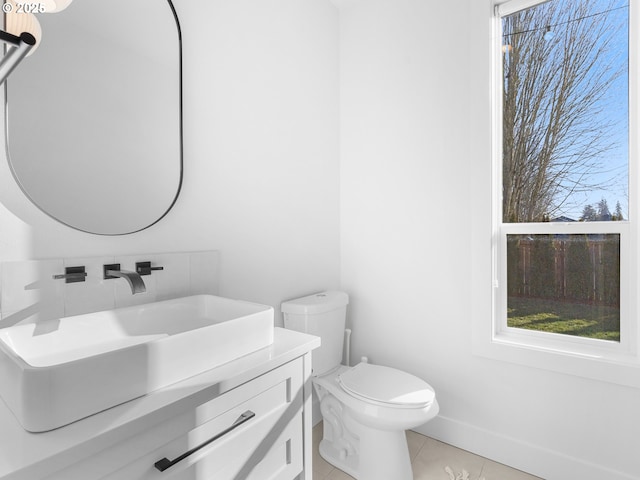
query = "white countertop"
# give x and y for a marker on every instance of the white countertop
(31, 456)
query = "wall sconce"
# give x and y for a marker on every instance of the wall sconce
(23, 31)
(17, 21)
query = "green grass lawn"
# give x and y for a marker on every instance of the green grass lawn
(579, 319)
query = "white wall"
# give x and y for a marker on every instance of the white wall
(261, 181)
(414, 148)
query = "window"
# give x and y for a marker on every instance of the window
(564, 187)
(565, 284)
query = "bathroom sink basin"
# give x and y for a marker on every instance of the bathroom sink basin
(60, 371)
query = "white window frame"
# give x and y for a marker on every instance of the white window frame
(617, 362)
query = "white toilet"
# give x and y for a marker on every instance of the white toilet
(367, 408)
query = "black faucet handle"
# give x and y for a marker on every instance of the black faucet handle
(72, 275)
(145, 268)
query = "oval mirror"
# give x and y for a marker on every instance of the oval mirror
(94, 121)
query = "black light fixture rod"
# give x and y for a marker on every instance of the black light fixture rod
(22, 45)
(10, 38)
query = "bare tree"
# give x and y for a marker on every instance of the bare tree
(555, 124)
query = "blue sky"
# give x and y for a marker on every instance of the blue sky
(616, 161)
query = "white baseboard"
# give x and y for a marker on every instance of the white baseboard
(515, 453)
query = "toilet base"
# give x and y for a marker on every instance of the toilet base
(366, 452)
(381, 455)
(336, 457)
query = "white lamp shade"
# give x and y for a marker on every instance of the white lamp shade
(60, 5)
(16, 23)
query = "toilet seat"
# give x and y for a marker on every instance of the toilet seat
(386, 386)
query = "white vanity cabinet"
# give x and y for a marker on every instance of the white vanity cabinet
(253, 431)
(249, 419)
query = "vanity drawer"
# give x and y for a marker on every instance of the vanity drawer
(266, 445)
(269, 449)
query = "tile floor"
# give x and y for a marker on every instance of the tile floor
(429, 458)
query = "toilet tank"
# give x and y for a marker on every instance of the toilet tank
(324, 315)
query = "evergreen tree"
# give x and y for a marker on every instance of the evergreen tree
(589, 214)
(618, 214)
(604, 214)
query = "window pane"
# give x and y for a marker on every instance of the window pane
(565, 112)
(567, 284)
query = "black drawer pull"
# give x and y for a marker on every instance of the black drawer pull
(165, 463)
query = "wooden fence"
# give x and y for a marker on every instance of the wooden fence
(578, 268)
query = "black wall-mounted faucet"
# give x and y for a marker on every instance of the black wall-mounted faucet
(134, 280)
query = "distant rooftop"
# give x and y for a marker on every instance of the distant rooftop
(562, 218)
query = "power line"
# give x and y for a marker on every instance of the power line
(549, 26)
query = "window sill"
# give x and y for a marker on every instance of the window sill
(606, 363)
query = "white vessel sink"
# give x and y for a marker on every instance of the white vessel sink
(60, 371)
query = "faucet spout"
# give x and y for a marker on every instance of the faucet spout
(133, 279)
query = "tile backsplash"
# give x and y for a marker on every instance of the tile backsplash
(29, 293)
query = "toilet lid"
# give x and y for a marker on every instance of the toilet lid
(386, 385)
